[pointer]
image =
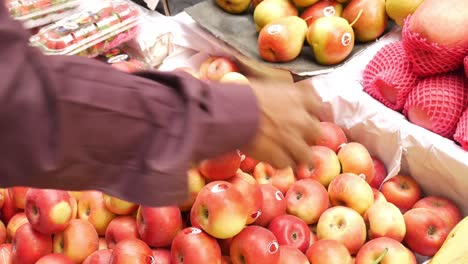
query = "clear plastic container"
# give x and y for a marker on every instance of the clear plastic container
(90, 32)
(36, 13)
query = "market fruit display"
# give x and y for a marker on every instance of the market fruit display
(89, 32)
(258, 215)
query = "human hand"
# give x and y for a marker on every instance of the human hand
(287, 124)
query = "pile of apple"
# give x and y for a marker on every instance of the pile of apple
(329, 27)
(239, 210)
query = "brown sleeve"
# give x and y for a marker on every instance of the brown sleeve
(75, 123)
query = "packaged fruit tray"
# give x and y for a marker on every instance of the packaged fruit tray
(36, 13)
(90, 32)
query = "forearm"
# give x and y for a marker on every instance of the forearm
(73, 123)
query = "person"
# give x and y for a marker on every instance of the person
(73, 123)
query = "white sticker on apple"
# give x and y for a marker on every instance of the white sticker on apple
(195, 231)
(329, 11)
(273, 247)
(279, 196)
(256, 215)
(217, 188)
(346, 39)
(151, 260)
(274, 29)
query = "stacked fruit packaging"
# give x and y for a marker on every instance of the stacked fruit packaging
(37, 13)
(389, 76)
(425, 80)
(90, 32)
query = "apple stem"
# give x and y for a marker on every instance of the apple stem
(377, 261)
(357, 17)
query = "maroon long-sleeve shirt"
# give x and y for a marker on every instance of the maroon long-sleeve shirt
(76, 124)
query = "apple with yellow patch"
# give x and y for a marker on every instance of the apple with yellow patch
(91, 207)
(49, 211)
(119, 206)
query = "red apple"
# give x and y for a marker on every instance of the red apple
(193, 246)
(291, 254)
(328, 251)
(350, 190)
(121, 228)
(247, 163)
(215, 67)
(101, 256)
(291, 230)
(119, 206)
(326, 166)
(320, 9)
(355, 158)
(249, 187)
(385, 249)
(378, 196)
(49, 211)
(16, 222)
(158, 226)
(254, 245)
(280, 178)
(344, 225)
(444, 207)
(426, 231)
(29, 245)
(161, 256)
(9, 208)
(385, 220)
(77, 241)
(402, 191)
(273, 204)
(3, 233)
(220, 210)
(307, 199)
(330, 135)
(196, 182)
(380, 173)
(19, 195)
(133, 251)
(222, 167)
(5, 253)
(55, 258)
(91, 207)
